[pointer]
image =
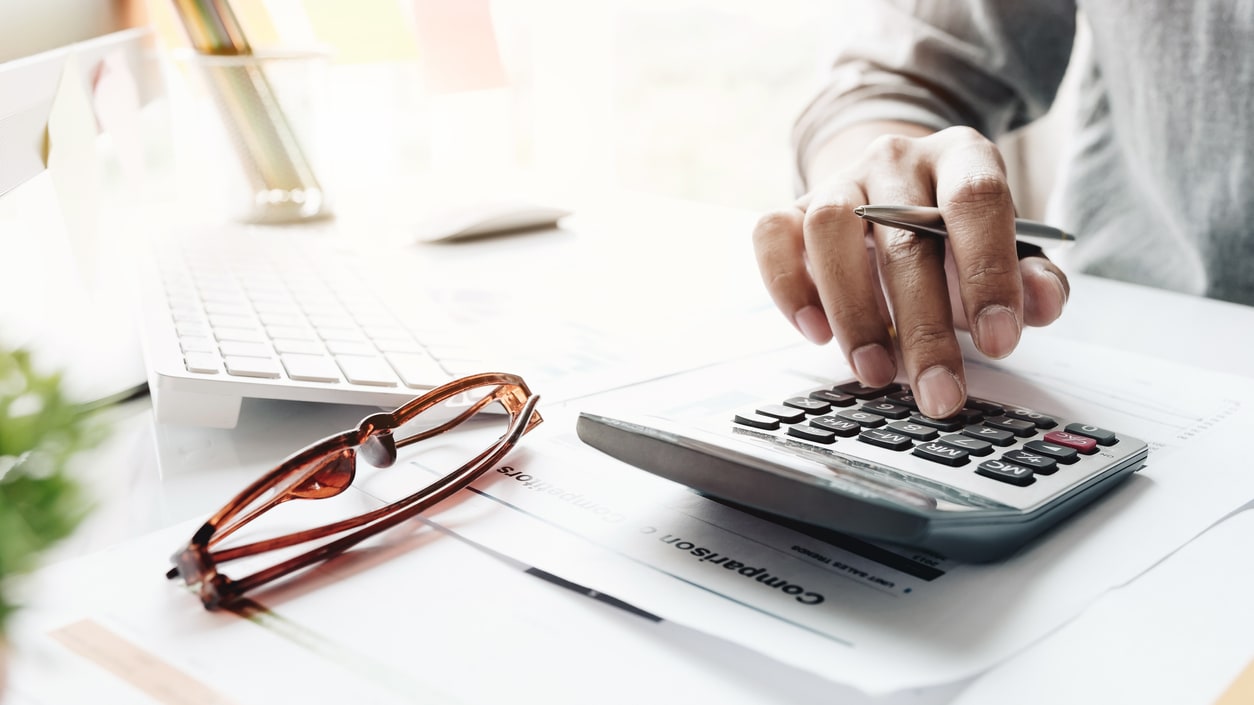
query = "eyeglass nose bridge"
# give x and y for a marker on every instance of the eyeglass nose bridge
(378, 447)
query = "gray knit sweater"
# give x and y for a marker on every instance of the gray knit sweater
(1159, 184)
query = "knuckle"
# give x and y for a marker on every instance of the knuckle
(772, 225)
(889, 148)
(828, 214)
(904, 250)
(979, 187)
(926, 335)
(989, 273)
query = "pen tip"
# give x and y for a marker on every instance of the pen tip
(860, 211)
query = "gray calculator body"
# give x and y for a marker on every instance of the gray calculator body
(973, 510)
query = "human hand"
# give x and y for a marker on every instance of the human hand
(887, 294)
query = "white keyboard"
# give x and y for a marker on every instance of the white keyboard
(268, 313)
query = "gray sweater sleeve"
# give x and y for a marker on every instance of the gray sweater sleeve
(994, 65)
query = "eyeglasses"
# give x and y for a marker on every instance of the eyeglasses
(327, 468)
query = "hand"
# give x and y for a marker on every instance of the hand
(887, 294)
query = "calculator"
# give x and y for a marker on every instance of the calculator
(863, 461)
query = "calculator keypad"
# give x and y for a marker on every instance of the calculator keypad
(1003, 444)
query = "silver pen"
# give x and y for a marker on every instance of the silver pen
(927, 219)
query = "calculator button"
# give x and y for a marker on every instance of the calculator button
(974, 446)
(886, 439)
(862, 391)
(1062, 454)
(996, 436)
(837, 425)
(1041, 464)
(782, 413)
(917, 431)
(987, 408)
(905, 397)
(968, 416)
(766, 423)
(887, 408)
(1101, 435)
(1041, 420)
(1084, 444)
(1006, 472)
(810, 406)
(833, 398)
(941, 453)
(812, 433)
(864, 418)
(946, 425)
(1019, 427)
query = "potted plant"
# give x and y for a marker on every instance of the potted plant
(41, 430)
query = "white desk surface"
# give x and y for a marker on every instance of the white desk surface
(152, 478)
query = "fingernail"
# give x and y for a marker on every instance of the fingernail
(996, 331)
(939, 393)
(873, 365)
(813, 325)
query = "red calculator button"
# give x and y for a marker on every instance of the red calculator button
(1084, 444)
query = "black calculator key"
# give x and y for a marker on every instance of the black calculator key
(807, 432)
(996, 436)
(1041, 464)
(1101, 435)
(886, 439)
(887, 408)
(837, 425)
(766, 423)
(1061, 453)
(810, 406)
(947, 425)
(862, 391)
(1006, 472)
(1019, 427)
(833, 398)
(941, 453)
(987, 408)
(864, 418)
(974, 446)
(905, 397)
(969, 416)
(783, 413)
(917, 431)
(1036, 417)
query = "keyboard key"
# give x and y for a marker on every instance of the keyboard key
(302, 347)
(887, 409)
(766, 423)
(917, 431)
(861, 391)
(947, 425)
(905, 397)
(245, 335)
(833, 398)
(1062, 454)
(987, 408)
(1101, 435)
(812, 433)
(864, 418)
(783, 413)
(886, 439)
(837, 425)
(371, 371)
(996, 436)
(202, 363)
(233, 348)
(311, 368)
(974, 446)
(941, 453)
(810, 406)
(1019, 427)
(1084, 444)
(266, 368)
(1020, 475)
(1040, 464)
(195, 344)
(1036, 417)
(344, 347)
(296, 332)
(417, 370)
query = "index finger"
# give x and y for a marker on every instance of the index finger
(974, 197)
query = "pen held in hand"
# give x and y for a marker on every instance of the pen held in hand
(927, 219)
